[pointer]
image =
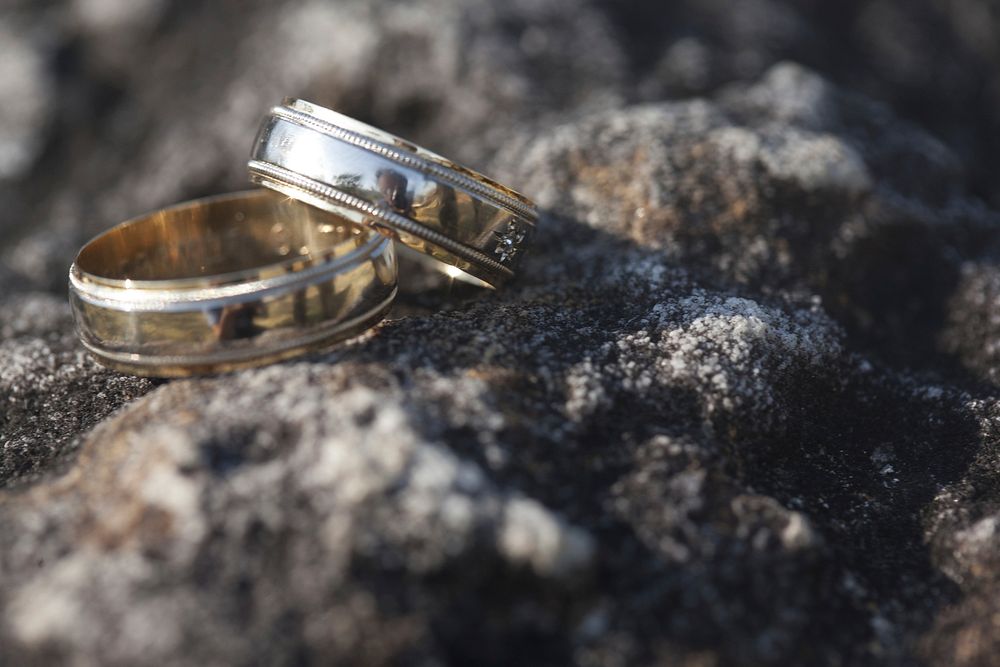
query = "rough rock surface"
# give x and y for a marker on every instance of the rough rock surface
(741, 408)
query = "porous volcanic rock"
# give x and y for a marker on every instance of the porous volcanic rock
(740, 408)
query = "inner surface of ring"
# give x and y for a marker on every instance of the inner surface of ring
(219, 237)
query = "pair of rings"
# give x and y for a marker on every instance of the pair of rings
(249, 278)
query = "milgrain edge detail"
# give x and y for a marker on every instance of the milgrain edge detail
(451, 176)
(265, 171)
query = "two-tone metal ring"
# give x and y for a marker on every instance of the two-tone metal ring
(461, 218)
(226, 282)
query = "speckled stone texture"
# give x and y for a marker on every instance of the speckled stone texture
(741, 408)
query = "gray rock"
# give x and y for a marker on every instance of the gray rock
(972, 333)
(51, 391)
(808, 203)
(740, 408)
(279, 517)
(28, 93)
(934, 62)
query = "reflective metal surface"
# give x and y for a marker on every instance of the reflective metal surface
(431, 204)
(229, 281)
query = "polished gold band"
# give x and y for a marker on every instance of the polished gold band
(433, 205)
(227, 282)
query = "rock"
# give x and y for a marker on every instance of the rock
(934, 62)
(302, 503)
(739, 409)
(28, 92)
(272, 481)
(809, 202)
(962, 531)
(972, 333)
(51, 391)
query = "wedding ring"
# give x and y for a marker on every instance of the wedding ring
(227, 282)
(470, 223)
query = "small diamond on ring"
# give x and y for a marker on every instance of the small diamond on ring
(508, 242)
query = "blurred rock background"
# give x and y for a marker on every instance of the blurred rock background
(742, 408)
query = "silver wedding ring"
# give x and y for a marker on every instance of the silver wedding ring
(430, 204)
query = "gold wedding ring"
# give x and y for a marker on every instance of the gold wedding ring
(478, 228)
(227, 282)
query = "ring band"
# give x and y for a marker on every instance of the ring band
(227, 282)
(432, 205)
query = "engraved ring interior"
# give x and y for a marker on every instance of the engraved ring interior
(226, 282)
(430, 204)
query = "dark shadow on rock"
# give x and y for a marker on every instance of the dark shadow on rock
(865, 461)
(887, 306)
